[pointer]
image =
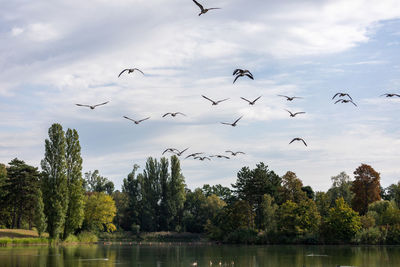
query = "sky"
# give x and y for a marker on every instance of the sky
(55, 54)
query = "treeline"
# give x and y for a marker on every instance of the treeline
(262, 207)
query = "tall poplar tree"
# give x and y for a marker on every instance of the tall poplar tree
(55, 191)
(177, 194)
(4, 214)
(75, 210)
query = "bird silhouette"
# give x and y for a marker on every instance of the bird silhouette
(173, 114)
(92, 107)
(169, 150)
(298, 139)
(136, 121)
(219, 156)
(130, 71)
(342, 95)
(178, 153)
(345, 101)
(202, 158)
(251, 102)
(241, 73)
(294, 114)
(194, 155)
(290, 98)
(232, 124)
(391, 95)
(202, 9)
(234, 153)
(214, 103)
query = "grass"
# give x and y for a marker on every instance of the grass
(19, 233)
(4, 241)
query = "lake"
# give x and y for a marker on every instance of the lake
(204, 255)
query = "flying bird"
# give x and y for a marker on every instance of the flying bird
(346, 101)
(241, 73)
(130, 71)
(178, 153)
(202, 9)
(169, 150)
(298, 139)
(219, 156)
(194, 155)
(294, 114)
(234, 153)
(136, 121)
(173, 114)
(92, 107)
(290, 98)
(342, 95)
(391, 95)
(251, 102)
(202, 158)
(214, 103)
(232, 124)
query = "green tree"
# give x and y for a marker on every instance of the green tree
(269, 213)
(54, 179)
(366, 188)
(4, 209)
(121, 203)
(341, 187)
(194, 216)
(287, 219)
(39, 217)
(392, 192)
(165, 213)
(177, 196)
(94, 182)
(132, 188)
(222, 192)
(292, 188)
(322, 201)
(309, 191)
(75, 210)
(342, 223)
(251, 185)
(384, 212)
(99, 212)
(22, 186)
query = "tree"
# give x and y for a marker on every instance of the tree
(341, 187)
(75, 210)
(121, 203)
(269, 211)
(292, 188)
(22, 186)
(322, 201)
(54, 180)
(366, 188)
(342, 223)
(194, 216)
(309, 191)
(132, 188)
(4, 210)
(165, 213)
(99, 212)
(177, 196)
(392, 192)
(94, 182)
(39, 217)
(287, 218)
(251, 185)
(222, 192)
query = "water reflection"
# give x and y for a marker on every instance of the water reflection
(199, 255)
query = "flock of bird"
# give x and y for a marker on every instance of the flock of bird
(342, 98)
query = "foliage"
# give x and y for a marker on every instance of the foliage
(94, 182)
(392, 192)
(176, 194)
(292, 188)
(370, 236)
(242, 236)
(4, 208)
(268, 212)
(224, 193)
(75, 210)
(251, 185)
(366, 188)
(309, 191)
(22, 188)
(87, 237)
(322, 201)
(341, 187)
(342, 223)
(194, 214)
(99, 212)
(54, 181)
(39, 217)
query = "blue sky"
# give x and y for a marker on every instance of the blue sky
(53, 55)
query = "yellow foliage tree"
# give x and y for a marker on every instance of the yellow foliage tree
(100, 211)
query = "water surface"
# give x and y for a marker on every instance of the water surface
(203, 255)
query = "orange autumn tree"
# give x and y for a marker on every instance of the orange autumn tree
(366, 188)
